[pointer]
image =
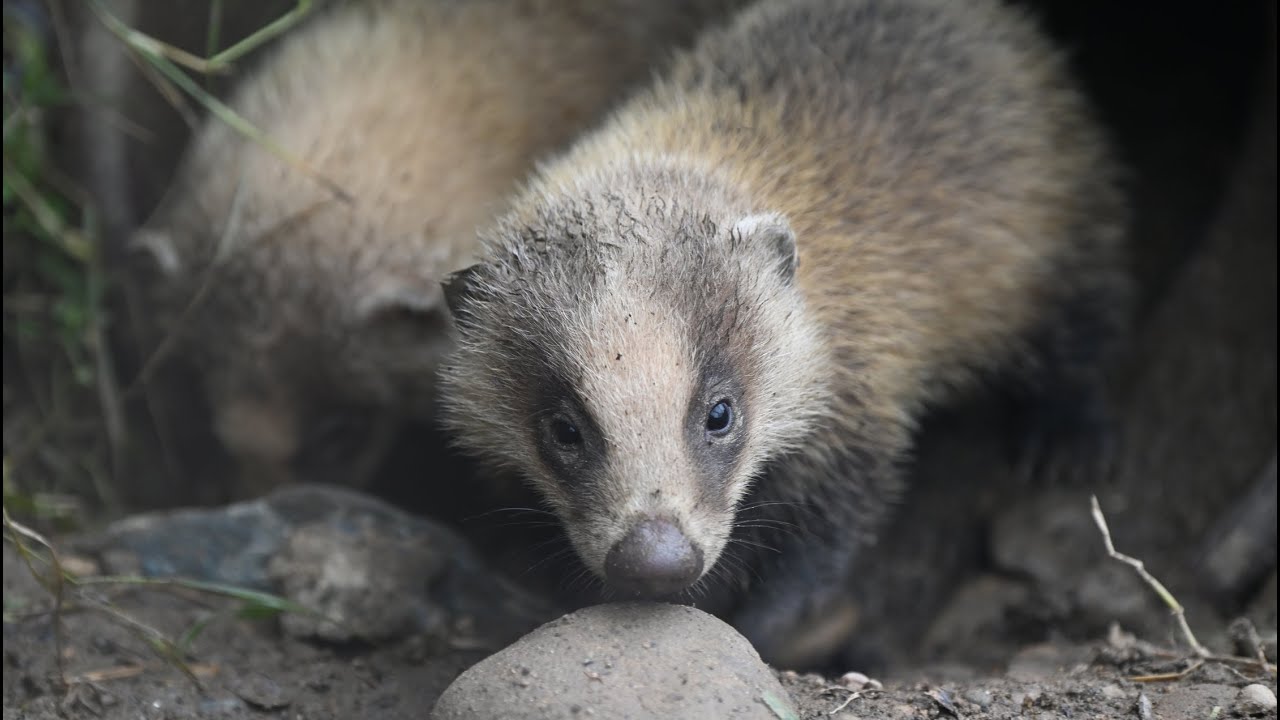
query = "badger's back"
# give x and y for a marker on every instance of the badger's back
(949, 191)
(423, 114)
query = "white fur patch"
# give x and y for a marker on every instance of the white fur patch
(638, 379)
(748, 225)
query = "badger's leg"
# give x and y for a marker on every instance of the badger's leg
(800, 614)
(800, 611)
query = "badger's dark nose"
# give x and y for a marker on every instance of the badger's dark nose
(653, 560)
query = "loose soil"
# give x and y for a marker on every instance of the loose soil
(248, 669)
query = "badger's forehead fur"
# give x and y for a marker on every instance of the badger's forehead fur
(629, 303)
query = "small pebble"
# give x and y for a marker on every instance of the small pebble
(1255, 699)
(858, 681)
(261, 692)
(1144, 707)
(1113, 692)
(80, 566)
(221, 707)
(979, 697)
(1027, 698)
(943, 699)
(814, 679)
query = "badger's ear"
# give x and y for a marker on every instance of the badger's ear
(771, 233)
(458, 287)
(156, 249)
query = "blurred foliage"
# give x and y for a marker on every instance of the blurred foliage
(37, 214)
(52, 289)
(64, 426)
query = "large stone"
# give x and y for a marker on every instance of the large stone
(634, 660)
(378, 572)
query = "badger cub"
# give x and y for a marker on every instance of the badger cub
(316, 322)
(706, 333)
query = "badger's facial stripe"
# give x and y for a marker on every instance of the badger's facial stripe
(569, 443)
(716, 431)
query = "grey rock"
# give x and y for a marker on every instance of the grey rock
(361, 581)
(631, 660)
(372, 571)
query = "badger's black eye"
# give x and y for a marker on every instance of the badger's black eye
(565, 432)
(720, 418)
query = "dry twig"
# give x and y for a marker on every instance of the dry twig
(1167, 597)
(853, 695)
(1165, 677)
(845, 704)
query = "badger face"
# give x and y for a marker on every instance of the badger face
(643, 449)
(640, 382)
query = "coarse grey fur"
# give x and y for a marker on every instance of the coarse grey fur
(833, 214)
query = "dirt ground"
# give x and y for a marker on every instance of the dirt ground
(242, 668)
(248, 669)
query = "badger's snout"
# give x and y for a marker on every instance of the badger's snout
(654, 559)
